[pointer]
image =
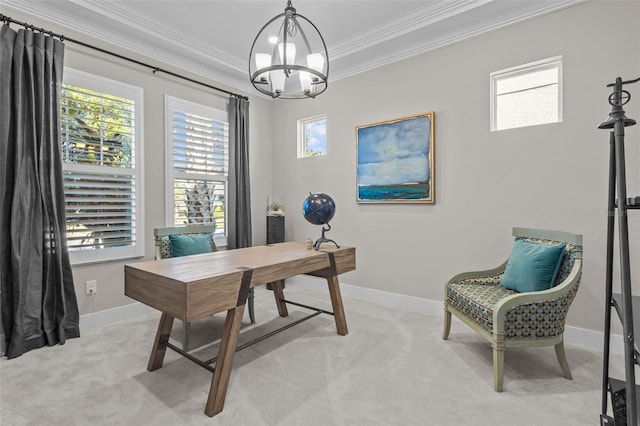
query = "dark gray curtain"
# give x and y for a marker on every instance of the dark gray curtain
(239, 194)
(39, 304)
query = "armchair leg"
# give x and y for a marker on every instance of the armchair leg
(562, 359)
(498, 365)
(447, 323)
(252, 316)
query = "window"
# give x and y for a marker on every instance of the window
(312, 136)
(197, 147)
(101, 138)
(527, 95)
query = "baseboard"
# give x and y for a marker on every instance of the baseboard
(587, 339)
(581, 337)
(95, 319)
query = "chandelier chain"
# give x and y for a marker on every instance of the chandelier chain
(292, 27)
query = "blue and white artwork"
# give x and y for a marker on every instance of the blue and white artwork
(395, 160)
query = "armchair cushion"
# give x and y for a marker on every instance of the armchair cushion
(188, 244)
(532, 267)
(476, 300)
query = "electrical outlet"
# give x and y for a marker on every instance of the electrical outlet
(92, 287)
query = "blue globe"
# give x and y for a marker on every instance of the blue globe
(318, 208)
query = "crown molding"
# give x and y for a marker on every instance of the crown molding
(222, 75)
(447, 39)
(119, 12)
(173, 47)
(406, 24)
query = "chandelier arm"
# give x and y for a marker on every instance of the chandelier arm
(324, 45)
(253, 45)
(301, 31)
(265, 26)
(287, 72)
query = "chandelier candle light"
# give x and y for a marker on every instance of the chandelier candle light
(288, 58)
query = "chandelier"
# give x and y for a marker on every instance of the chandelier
(288, 58)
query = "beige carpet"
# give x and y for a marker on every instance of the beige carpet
(392, 369)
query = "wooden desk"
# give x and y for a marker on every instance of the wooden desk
(193, 287)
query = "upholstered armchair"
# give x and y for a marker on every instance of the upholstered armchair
(508, 318)
(184, 241)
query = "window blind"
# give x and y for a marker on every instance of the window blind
(199, 162)
(98, 151)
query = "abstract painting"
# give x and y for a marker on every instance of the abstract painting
(395, 160)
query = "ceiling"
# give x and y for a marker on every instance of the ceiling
(212, 38)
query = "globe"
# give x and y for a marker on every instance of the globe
(318, 208)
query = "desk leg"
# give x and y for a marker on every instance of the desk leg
(160, 343)
(227, 350)
(228, 343)
(336, 302)
(278, 293)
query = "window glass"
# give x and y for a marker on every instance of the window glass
(527, 95)
(312, 137)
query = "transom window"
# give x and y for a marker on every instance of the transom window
(527, 95)
(101, 122)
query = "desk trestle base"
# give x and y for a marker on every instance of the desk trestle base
(164, 339)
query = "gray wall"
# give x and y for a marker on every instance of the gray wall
(550, 176)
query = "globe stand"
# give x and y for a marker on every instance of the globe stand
(323, 239)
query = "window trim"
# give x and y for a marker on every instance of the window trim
(205, 111)
(113, 87)
(302, 143)
(554, 62)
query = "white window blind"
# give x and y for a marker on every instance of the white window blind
(100, 122)
(197, 141)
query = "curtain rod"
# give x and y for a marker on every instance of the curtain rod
(7, 19)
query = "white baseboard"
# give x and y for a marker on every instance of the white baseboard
(587, 339)
(581, 337)
(108, 316)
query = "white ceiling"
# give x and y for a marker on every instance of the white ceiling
(212, 38)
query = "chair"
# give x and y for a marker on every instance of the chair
(163, 250)
(510, 319)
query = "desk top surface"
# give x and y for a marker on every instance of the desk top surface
(202, 266)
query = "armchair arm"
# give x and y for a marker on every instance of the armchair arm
(479, 277)
(566, 289)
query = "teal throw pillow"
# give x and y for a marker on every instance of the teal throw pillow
(185, 245)
(532, 267)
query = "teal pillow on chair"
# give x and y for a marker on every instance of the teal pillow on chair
(188, 244)
(532, 267)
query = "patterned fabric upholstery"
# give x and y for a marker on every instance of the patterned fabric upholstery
(539, 320)
(165, 247)
(476, 298)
